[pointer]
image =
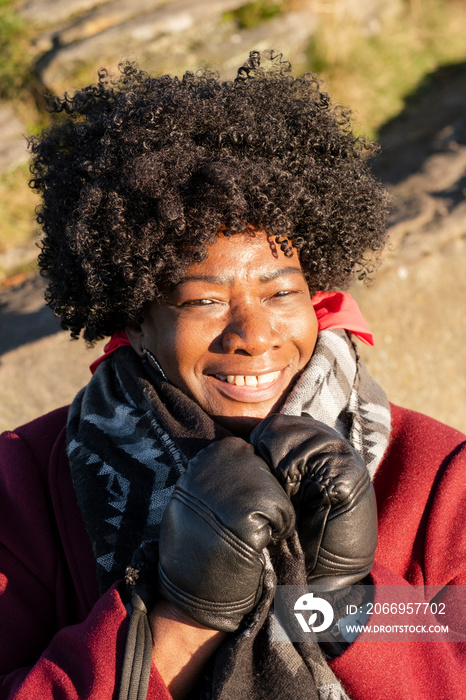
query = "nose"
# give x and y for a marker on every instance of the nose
(250, 332)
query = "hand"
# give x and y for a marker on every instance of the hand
(225, 510)
(330, 488)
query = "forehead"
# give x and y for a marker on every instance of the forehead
(245, 256)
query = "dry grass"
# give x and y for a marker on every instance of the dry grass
(375, 73)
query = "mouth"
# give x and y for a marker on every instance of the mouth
(252, 380)
(251, 388)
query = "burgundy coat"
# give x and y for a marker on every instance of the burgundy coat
(59, 639)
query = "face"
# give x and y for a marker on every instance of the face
(235, 332)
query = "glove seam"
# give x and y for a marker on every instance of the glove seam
(341, 561)
(216, 525)
(202, 603)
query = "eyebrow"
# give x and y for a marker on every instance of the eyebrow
(222, 280)
(274, 274)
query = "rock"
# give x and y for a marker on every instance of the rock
(417, 306)
(417, 313)
(13, 150)
(40, 367)
(433, 121)
(17, 257)
(175, 36)
(429, 203)
(141, 37)
(24, 317)
(47, 12)
(111, 14)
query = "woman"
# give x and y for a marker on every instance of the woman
(204, 226)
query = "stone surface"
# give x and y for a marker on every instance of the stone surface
(40, 367)
(173, 36)
(18, 257)
(417, 313)
(75, 38)
(46, 12)
(13, 150)
(417, 306)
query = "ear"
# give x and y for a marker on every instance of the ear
(136, 337)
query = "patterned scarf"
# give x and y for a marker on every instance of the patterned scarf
(130, 436)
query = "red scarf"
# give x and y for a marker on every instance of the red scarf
(333, 310)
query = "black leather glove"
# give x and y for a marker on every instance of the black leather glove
(330, 488)
(225, 510)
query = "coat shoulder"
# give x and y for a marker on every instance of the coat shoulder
(418, 432)
(39, 439)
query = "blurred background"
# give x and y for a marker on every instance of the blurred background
(399, 64)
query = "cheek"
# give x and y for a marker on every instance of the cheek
(160, 334)
(179, 347)
(305, 330)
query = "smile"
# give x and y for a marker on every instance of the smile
(251, 388)
(249, 379)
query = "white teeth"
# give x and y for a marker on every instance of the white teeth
(267, 378)
(249, 379)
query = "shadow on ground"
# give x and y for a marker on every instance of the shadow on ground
(433, 120)
(23, 316)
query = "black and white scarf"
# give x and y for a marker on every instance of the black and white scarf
(130, 436)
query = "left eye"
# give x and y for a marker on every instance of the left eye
(198, 302)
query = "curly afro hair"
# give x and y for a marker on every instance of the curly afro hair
(143, 172)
